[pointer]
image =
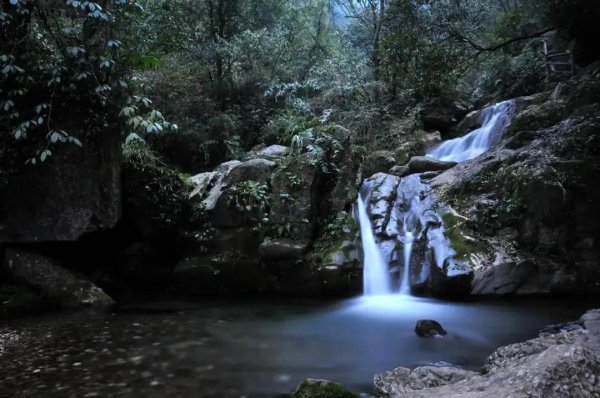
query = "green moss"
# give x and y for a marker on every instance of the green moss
(455, 236)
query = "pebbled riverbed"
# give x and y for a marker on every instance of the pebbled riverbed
(253, 348)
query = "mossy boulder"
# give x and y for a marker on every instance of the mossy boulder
(316, 388)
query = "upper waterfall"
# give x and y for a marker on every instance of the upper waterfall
(494, 120)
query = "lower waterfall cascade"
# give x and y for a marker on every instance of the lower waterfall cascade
(412, 212)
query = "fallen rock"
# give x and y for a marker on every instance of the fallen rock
(316, 388)
(421, 164)
(429, 328)
(54, 281)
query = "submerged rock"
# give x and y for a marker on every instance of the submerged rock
(54, 281)
(317, 388)
(429, 328)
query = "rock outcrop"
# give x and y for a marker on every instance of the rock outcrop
(76, 191)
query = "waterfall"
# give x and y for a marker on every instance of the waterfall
(412, 211)
(494, 120)
(376, 280)
(408, 240)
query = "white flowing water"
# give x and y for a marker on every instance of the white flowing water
(408, 244)
(376, 280)
(494, 120)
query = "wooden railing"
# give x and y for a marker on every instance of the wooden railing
(558, 61)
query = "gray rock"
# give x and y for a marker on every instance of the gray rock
(400, 171)
(378, 162)
(209, 186)
(272, 152)
(54, 281)
(282, 249)
(431, 139)
(429, 328)
(421, 164)
(471, 122)
(316, 388)
(402, 380)
(250, 170)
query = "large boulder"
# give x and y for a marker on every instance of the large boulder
(76, 191)
(254, 169)
(54, 281)
(316, 388)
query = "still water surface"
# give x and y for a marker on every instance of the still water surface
(253, 348)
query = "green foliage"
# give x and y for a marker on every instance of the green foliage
(61, 72)
(252, 198)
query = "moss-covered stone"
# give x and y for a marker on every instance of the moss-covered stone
(315, 388)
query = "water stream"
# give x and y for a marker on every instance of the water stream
(494, 120)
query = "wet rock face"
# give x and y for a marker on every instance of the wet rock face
(54, 281)
(316, 388)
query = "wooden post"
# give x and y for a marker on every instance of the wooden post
(545, 49)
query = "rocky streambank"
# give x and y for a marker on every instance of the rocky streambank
(563, 361)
